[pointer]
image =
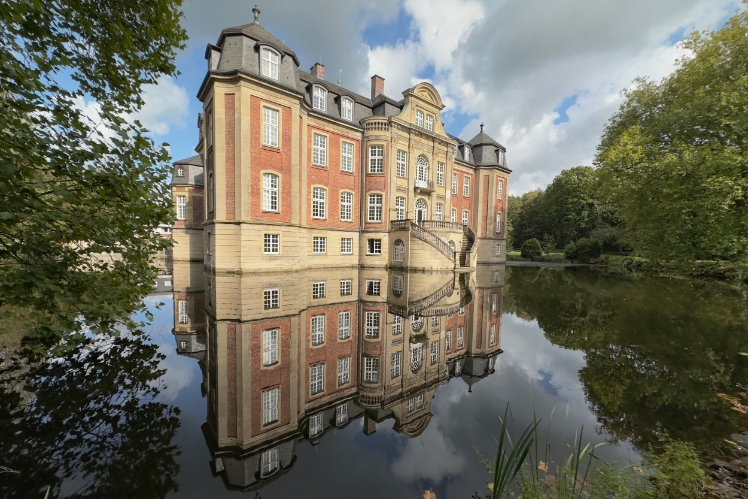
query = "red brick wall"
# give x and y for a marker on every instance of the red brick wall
(272, 159)
(376, 183)
(486, 203)
(230, 153)
(331, 351)
(453, 323)
(334, 180)
(462, 203)
(264, 378)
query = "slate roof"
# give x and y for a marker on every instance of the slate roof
(195, 160)
(310, 78)
(482, 138)
(260, 34)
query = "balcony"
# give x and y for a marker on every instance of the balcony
(424, 186)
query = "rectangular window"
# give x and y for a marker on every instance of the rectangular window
(454, 215)
(467, 153)
(269, 192)
(317, 379)
(440, 174)
(372, 287)
(344, 373)
(419, 400)
(375, 207)
(434, 352)
(434, 321)
(270, 406)
(372, 324)
(402, 163)
(492, 338)
(346, 206)
(270, 127)
(411, 404)
(498, 223)
(448, 341)
(498, 249)
(347, 109)
(346, 287)
(400, 208)
(461, 311)
(183, 311)
(271, 298)
(269, 64)
(318, 330)
(500, 190)
(341, 414)
(319, 244)
(346, 156)
(429, 123)
(344, 325)
(419, 118)
(270, 347)
(465, 217)
(466, 187)
(454, 183)
(319, 202)
(346, 245)
(376, 159)
(460, 337)
(182, 207)
(320, 150)
(495, 277)
(371, 369)
(395, 365)
(398, 253)
(494, 303)
(318, 289)
(271, 244)
(439, 211)
(374, 246)
(315, 425)
(397, 325)
(320, 99)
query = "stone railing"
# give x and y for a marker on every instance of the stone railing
(370, 399)
(381, 125)
(425, 184)
(433, 240)
(399, 224)
(432, 299)
(436, 224)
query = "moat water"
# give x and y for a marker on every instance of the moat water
(626, 357)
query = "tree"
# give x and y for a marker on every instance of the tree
(674, 157)
(72, 188)
(571, 205)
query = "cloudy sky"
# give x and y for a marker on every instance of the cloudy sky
(544, 76)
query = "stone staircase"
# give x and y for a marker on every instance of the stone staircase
(426, 236)
(468, 241)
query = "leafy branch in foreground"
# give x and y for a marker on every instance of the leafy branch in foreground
(80, 195)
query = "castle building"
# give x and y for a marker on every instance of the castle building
(294, 172)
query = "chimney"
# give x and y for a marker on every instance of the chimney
(377, 86)
(318, 70)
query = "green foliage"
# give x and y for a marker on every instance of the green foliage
(588, 250)
(531, 249)
(610, 237)
(71, 189)
(677, 472)
(674, 158)
(571, 252)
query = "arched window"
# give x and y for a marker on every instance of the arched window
(421, 210)
(269, 63)
(416, 323)
(398, 253)
(452, 245)
(416, 356)
(346, 109)
(319, 101)
(422, 168)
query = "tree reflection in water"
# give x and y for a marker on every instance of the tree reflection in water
(93, 427)
(657, 351)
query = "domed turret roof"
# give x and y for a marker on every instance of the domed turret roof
(482, 138)
(258, 33)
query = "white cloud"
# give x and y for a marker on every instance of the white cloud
(166, 105)
(431, 456)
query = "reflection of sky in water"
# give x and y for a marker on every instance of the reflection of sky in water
(347, 463)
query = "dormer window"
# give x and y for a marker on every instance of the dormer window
(320, 99)
(500, 155)
(467, 153)
(180, 171)
(429, 123)
(269, 63)
(419, 118)
(346, 109)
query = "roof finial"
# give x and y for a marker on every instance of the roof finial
(481, 126)
(256, 12)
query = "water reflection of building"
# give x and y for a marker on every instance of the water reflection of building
(292, 356)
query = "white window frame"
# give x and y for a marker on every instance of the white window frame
(270, 120)
(419, 118)
(319, 203)
(315, 425)
(416, 356)
(371, 369)
(411, 404)
(455, 179)
(466, 154)
(466, 187)
(376, 159)
(429, 123)
(419, 400)
(373, 246)
(319, 244)
(319, 149)
(270, 340)
(402, 163)
(346, 108)
(460, 337)
(346, 156)
(434, 352)
(400, 208)
(271, 298)
(344, 371)
(373, 287)
(270, 185)
(492, 337)
(183, 317)
(454, 215)
(269, 462)
(448, 340)
(494, 302)
(498, 223)
(319, 289)
(346, 206)
(344, 325)
(341, 414)
(465, 217)
(500, 190)
(422, 168)
(372, 321)
(374, 212)
(397, 325)
(396, 365)
(270, 406)
(180, 171)
(439, 212)
(398, 252)
(317, 379)
(346, 245)
(270, 65)
(181, 207)
(440, 173)
(498, 249)
(346, 287)
(271, 244)
(317, 330)
(319, 98)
